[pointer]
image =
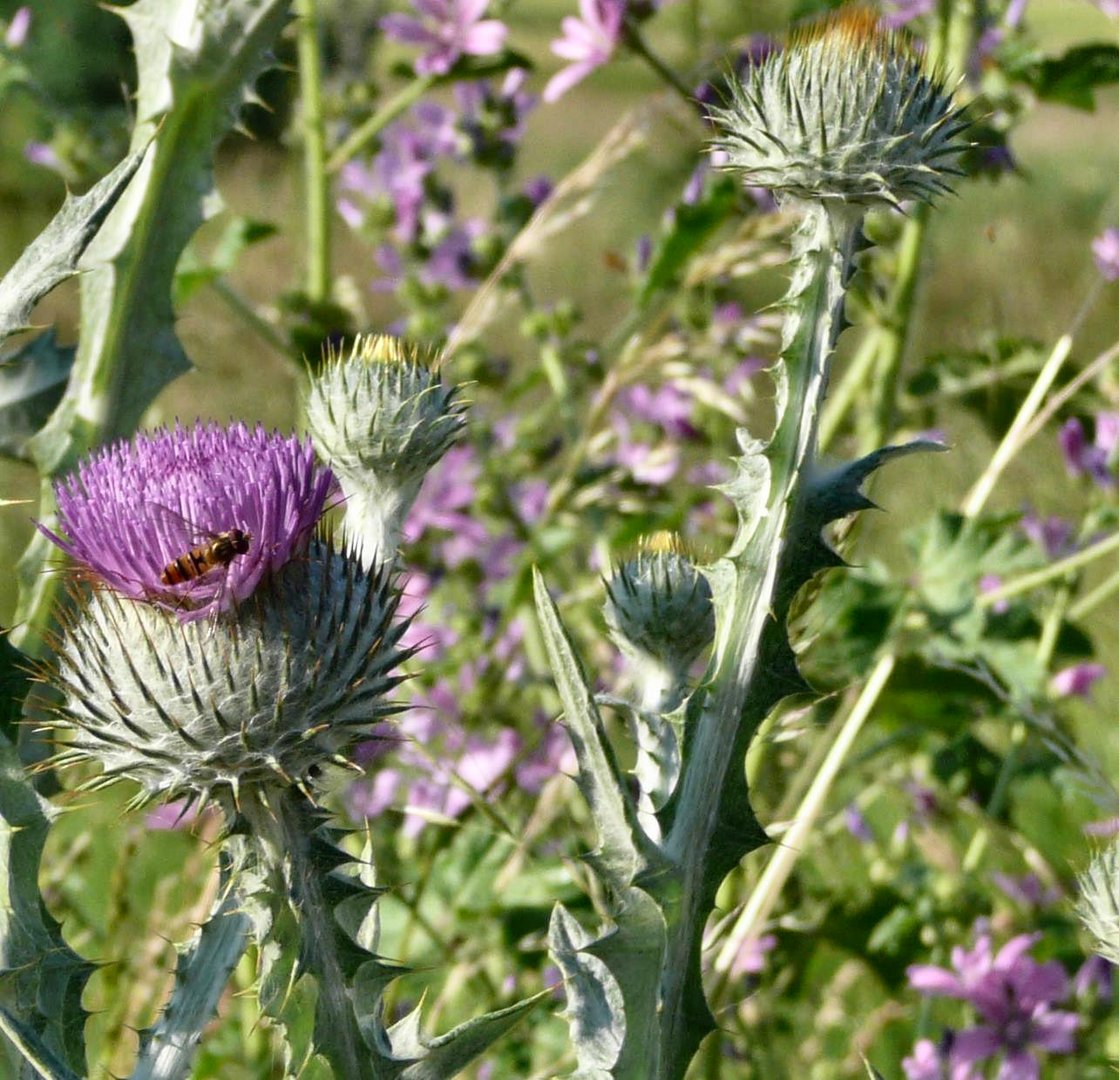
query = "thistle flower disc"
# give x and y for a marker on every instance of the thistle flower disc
(296, 681)
(846, 112)
(136, 507)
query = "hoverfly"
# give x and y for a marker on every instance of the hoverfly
(218, 551)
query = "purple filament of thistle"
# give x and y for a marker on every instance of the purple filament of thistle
(134, 507)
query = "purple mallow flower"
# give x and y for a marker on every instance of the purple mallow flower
(18, 28)
(1077, 680)
(191, 519)
(1054, 535)
(588, 42)
(899, 12)
(1093, 460)
(1014, 996)
(1105, 249)
(447, 29)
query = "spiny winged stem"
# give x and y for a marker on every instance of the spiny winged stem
(844, 119)
(712, 781)
(281, 834)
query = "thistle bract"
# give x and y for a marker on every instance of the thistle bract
(144, 516)
(845, 113)
(382, 416)
(209, 710)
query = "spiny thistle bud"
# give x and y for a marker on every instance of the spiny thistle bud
(382, 417)
(285, 677)
(1099, 902)
(845, 113)
(659, 613)
(210, 710)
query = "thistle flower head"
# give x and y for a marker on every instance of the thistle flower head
(211, 711)
(191, 520)
(659, 613)
(845, 113)
(382, 416)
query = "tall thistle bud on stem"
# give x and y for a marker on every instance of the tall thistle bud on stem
(659, 613)
(658, 610)
(844, 119)
(382, 417)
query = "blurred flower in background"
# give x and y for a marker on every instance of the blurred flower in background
(447, 29)
(588, 41)
(1014, 996)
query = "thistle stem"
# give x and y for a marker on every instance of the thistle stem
(315, 178)
(281, 827)
(824, 250)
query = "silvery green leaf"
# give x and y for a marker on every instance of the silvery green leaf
(196, 62)
(446, 1055)
(34, 1055)
(53, 255)
(41, 978)
(31, 384)
(167, 1048)
(596, 1010)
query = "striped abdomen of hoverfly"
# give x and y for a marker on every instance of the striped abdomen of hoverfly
(220, 550)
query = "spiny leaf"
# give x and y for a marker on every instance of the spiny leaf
(41, 979)
(447, 1055)
(167, 1048)
(596, 1009)
(53, 255)
(31, 384)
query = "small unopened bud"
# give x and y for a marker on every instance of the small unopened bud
(381, 417)
(659, 613)
(846, 113)
(1099, 902)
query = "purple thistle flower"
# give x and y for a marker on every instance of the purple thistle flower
(1028, 890)
(1014, 996)
(1077, 680)
(133, 508)
(1094, 460)
(538, 189)
(448, 29)
(856, 824)
(1106, 827)
(588, 42)
(1105, 249)
(40, 153)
